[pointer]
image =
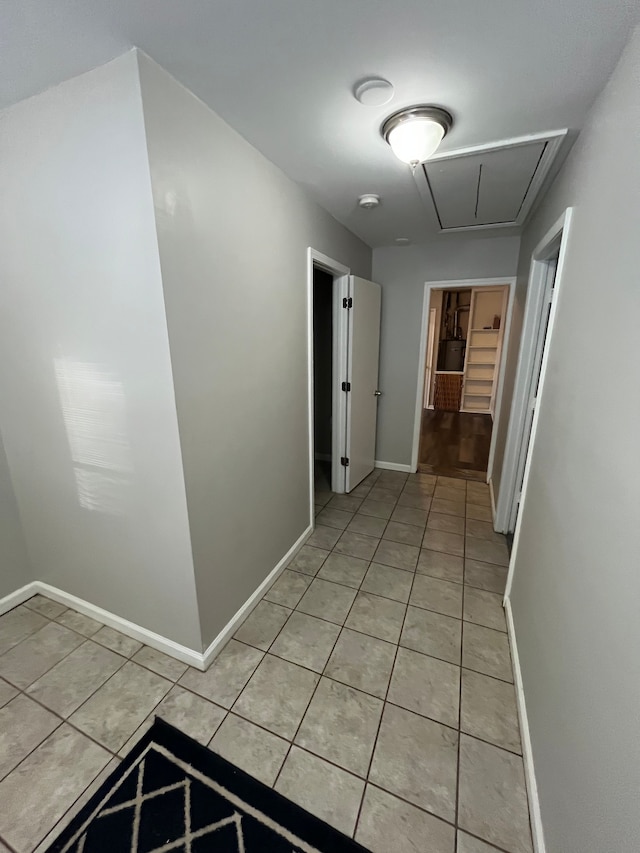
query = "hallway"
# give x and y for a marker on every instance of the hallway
(372, 685)
(455, 444)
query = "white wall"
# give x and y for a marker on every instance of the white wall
(15, 569)
(577, 571)
(233, 235)
(88, 414)
(402, 272)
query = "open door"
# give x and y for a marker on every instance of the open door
(363, 309)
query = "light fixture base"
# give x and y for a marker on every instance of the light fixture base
(369, 201)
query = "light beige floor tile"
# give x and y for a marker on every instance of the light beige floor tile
(17, 625)
(480, 498)
(485, 576)
(162, 664)
(69, 683)
(306, 640)
(324, 537)
(334, 517)
(363, 662)
(40, 790)
(448, 507)
(422, 479)
(397, 555)
(31, 658)
(415, 500)
(484, 608)
(326, 791)
(487, 651)
(389, 824)
(288, 589)
(378, 509)
(308, 560)
(116, 710)
(388, 582)
(409, 515)
(327, 600)
(445, 523)
(45, 606)
(23, 725)
(345, 503)
(447, 567)
(483, 530)
(79, 622)
(7, 692)
(439, 540)
(452, 483)
(341, 725)
(263, 624)
(415, 758)
(368, 525)
(432, 634)
(379, 617)
(488, 710)
(254, 750)
(426, 685)
(193, 715)
(343, 569)
(479, 512)
(407, 534)
(224, 680)
(387, 496)
(356, 545)
(492, 796)
(444, 493)
(487, 552)
(277, 696)
(116, 641)
(469, 844)
(434, 594)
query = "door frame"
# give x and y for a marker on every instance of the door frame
(429, 286)
(339, 272)
(555, 240)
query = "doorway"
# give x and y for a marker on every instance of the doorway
(322, 378)
(464, 339)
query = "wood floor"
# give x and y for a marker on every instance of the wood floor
(454, 444)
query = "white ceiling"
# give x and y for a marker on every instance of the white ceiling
(281, 73)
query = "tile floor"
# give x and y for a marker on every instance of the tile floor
(372, 684)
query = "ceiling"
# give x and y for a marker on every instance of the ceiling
(281, 73)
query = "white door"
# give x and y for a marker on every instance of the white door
(534, 387)
(363, 308)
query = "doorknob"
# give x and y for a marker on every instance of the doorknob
(377, 393)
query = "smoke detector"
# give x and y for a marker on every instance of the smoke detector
(373, 91)
(369, 201)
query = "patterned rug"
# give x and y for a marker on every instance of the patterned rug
(172, 794)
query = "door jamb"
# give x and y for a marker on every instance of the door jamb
(339, 272)
(540, 257)
(446, 285)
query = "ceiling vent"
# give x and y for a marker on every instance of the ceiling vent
(489, 186)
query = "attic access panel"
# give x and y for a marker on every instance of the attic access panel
(487, 187)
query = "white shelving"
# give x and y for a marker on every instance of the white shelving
(483, 349)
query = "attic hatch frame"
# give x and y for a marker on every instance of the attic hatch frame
(553, 142)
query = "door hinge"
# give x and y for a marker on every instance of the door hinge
(344, 461)
(346, 386)
(347, 302)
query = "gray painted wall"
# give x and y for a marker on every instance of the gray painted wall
(402, 272)
(15, 568)
(88, 415)
(233, 234)
(577, 571)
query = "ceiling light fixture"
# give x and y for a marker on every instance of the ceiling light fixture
(415, 133)
(369, 201)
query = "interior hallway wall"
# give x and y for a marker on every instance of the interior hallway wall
(577, 570)
(402, 272)
(15, 568)
(233, 234)
(88, 414)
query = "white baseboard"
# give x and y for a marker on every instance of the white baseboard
(232, 626)
(527, 751)
(493, 502)
(198, 660)
(393, 466)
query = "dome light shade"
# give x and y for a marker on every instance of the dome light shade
(414, 134)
